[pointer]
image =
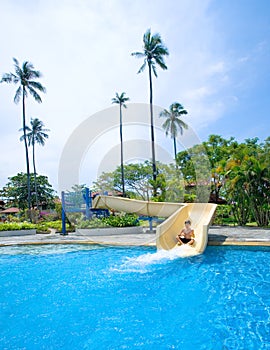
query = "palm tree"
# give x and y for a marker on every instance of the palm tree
(121, 99)
(25, 76)
(173, 123)
(35, 134)
(153, 53)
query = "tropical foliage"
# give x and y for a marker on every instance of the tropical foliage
(36, 134)
(173, 123)
(153, 55)
(248, 182)
(41, 227)
(25, 77)
(15, 191)
(139, 182)
(240, 174)
(120, 100)
(220, 170)
(122, 220)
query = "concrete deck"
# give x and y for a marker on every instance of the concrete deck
(218, 235)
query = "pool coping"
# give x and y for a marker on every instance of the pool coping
(218, 236)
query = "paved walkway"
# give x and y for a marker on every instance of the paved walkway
(218, 235)
(228, 235)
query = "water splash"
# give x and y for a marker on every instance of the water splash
(141, 262)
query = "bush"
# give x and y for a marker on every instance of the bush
(189, 198)
(223, 215)
(125, 220)
(44, 227)
(13, 226)
(13, 218)
(93, 223)
(122, 220)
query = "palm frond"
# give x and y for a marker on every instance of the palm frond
(120, 99)
(35, 74)
(34, 94)
(142, 67)
(161, 50)
(138, 54)
(7, 78)
(159, 60)
(175, 107)
(37, 85)
(166, 126)
(36, 134)
(22, 137)
(173, 123)
(165, 113)
(181, 123)
(156, 37)
(18, 95)
(147, 37)
(153, 52)
(16, 62)
(28, 130)
(153, 66)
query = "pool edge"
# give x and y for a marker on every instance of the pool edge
(131, 244)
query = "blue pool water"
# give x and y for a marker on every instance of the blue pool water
(88, 297)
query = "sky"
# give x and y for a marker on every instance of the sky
(218, 68)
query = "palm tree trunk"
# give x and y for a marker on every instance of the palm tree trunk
(35, 174)
(26, 154)
(175, 152)
(122, 158)
(152, 132)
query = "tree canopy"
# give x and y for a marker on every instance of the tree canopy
(218, 170)
(15, 191)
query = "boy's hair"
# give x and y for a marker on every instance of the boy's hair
(188, 222)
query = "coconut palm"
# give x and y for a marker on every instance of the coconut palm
(121, 99)
(153, 54)
(26, 77)
(36, 134)
(173, 123)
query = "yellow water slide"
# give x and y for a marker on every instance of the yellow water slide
(200, 215)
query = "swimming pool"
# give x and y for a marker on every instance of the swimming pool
(90, 297)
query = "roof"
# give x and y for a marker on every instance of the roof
(10, 211)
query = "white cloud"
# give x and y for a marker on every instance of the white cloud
(83, 49)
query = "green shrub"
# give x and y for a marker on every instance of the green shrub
(13, 218)
(93, 223)
(56, 225)
(223, 215)
(125, 220)
(42, 228)
(189, 198)
(12, 226)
